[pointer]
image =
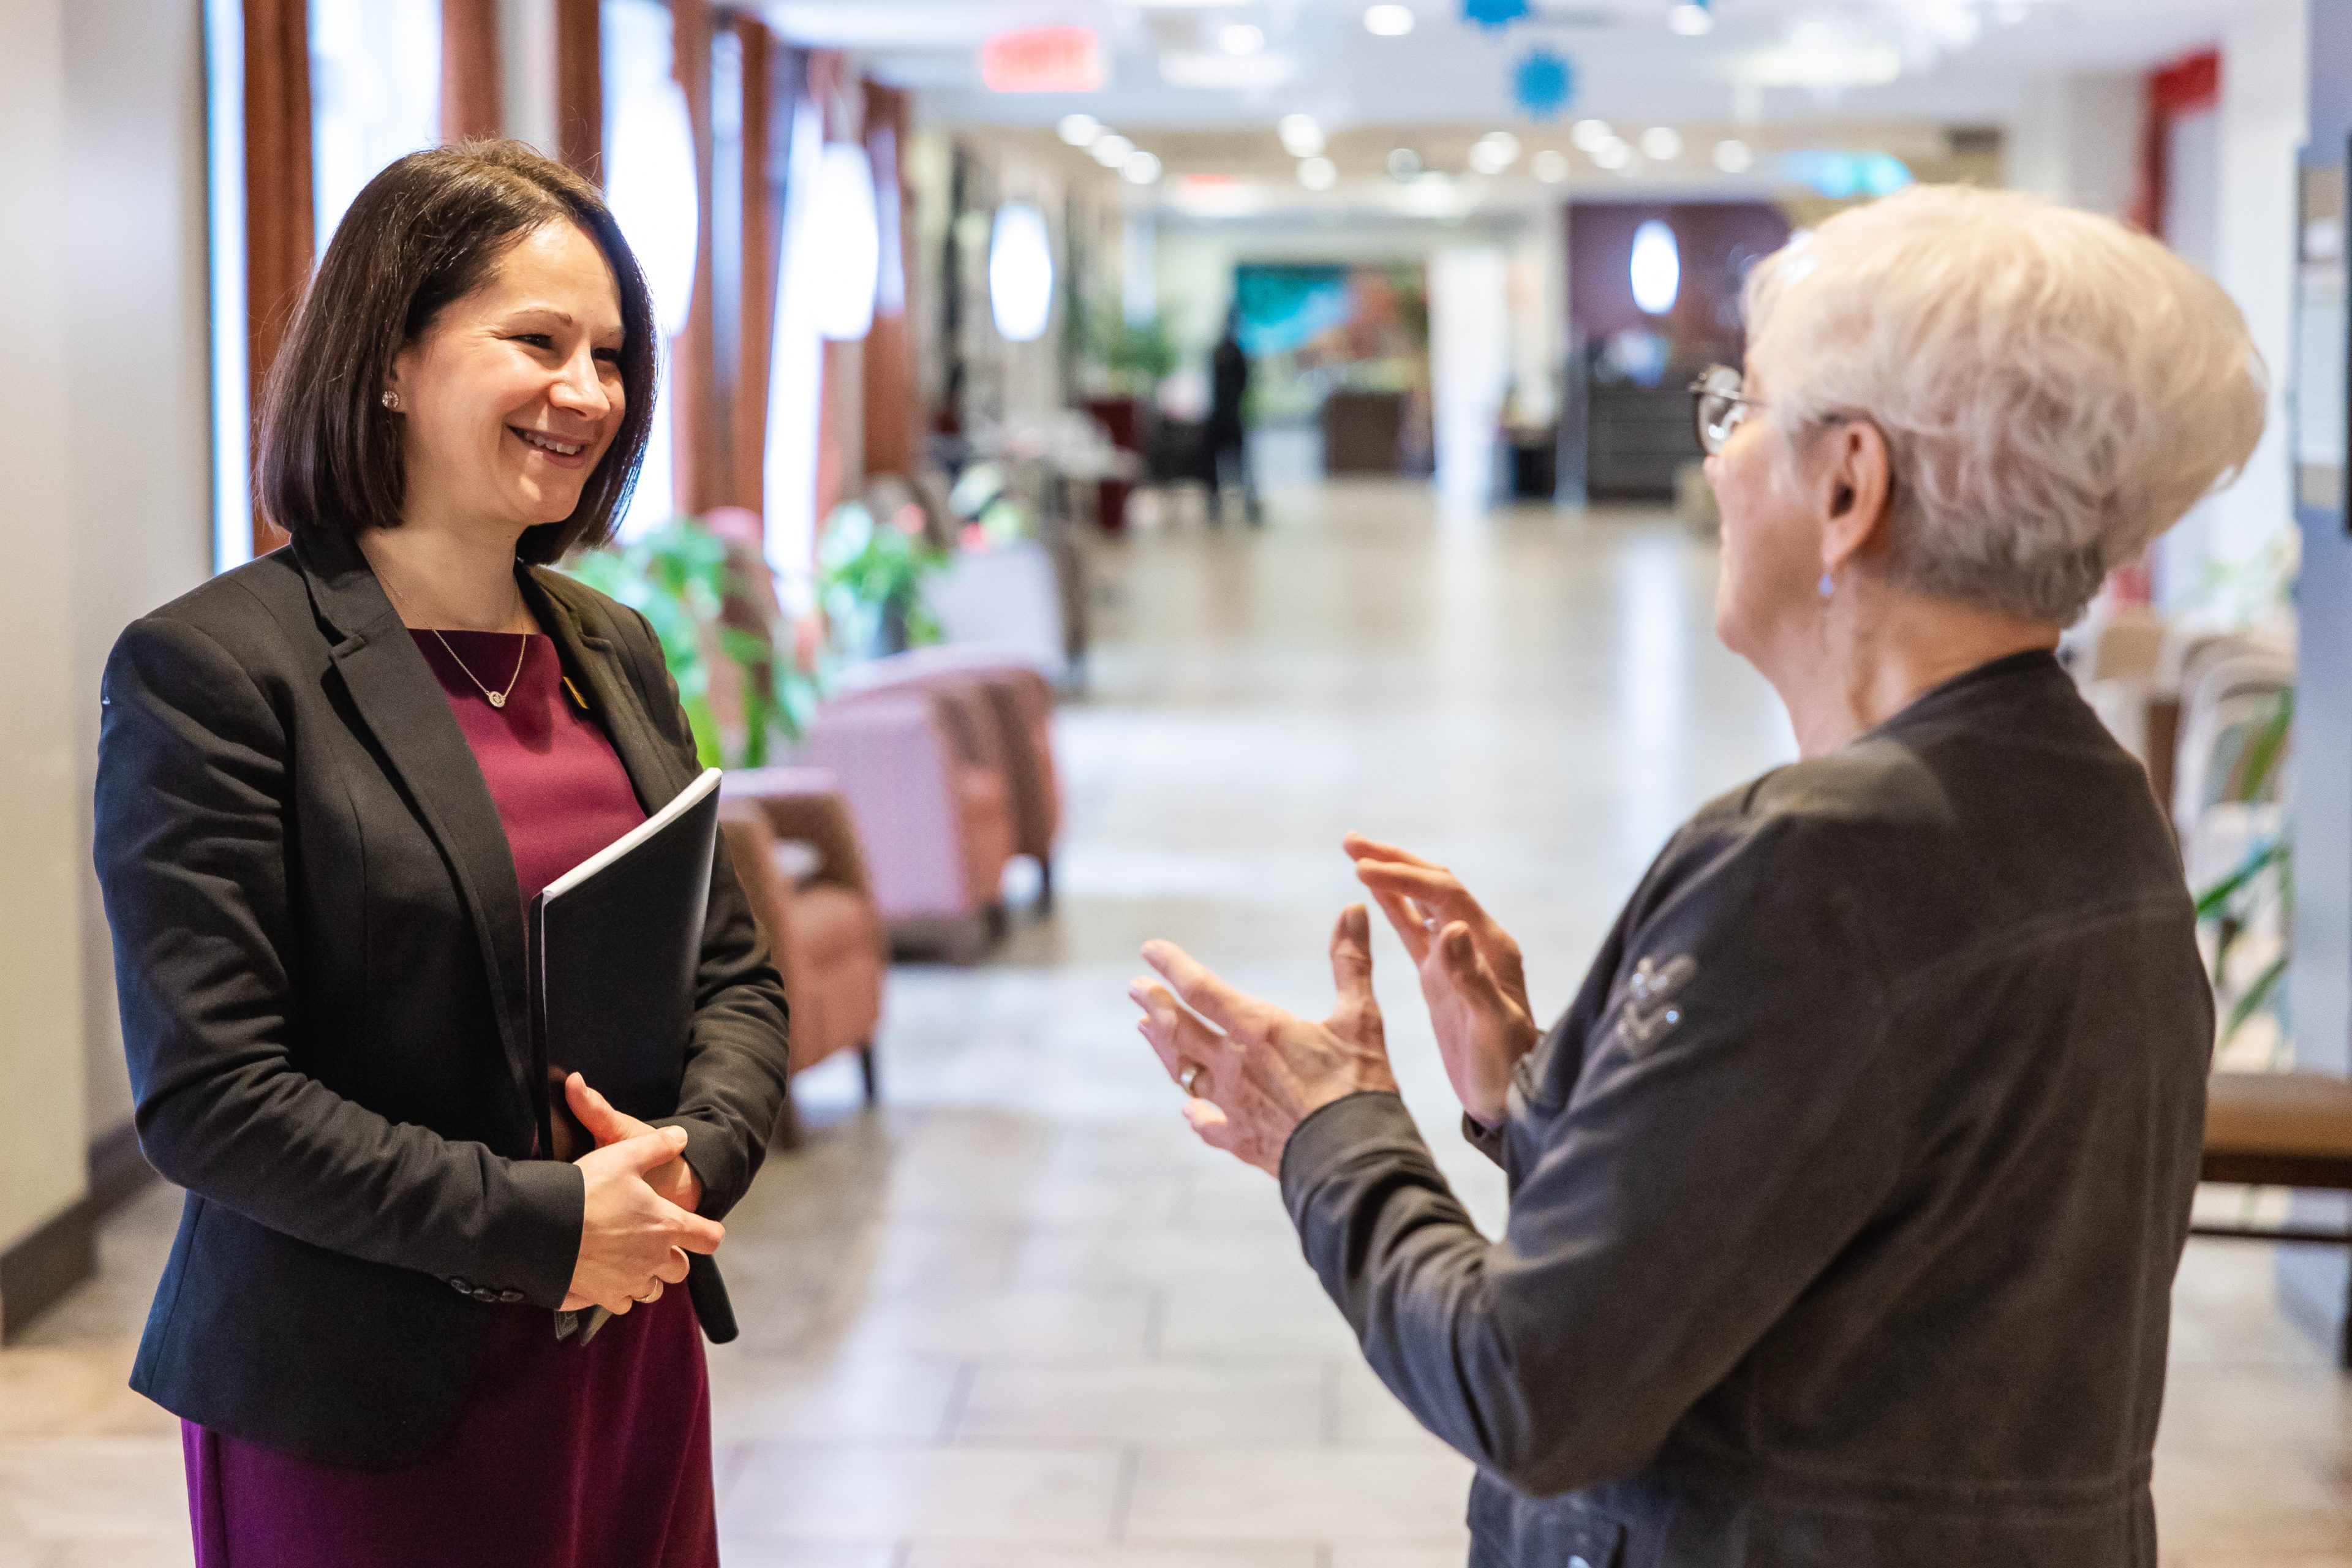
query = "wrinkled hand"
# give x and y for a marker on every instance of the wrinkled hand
(1264, 1071)
(675, 1181)
(633, 1241)
(1471, 974)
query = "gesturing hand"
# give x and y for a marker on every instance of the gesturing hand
(675, 1181)
(1261, 1071)
(1471, 976)
(632, 1239)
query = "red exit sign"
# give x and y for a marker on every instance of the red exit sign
(1042, 59)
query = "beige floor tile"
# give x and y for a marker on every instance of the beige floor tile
(2211, 1501)
(1162, 1403)
(1304, 1494)
(62, 1487)
(753, 1552)
(1365, 1414)
(925, 1556)
(756, 1397)
(842, 1493)
(1398, 1557)
(1028, 1325)
(1279, 1314)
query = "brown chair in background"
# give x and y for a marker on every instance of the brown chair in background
(2280, 1130)
(797, 853)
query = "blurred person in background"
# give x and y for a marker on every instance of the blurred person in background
(1846, 1197)
(329, 784)
(1229, 377)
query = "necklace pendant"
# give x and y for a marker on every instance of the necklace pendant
(498, 699)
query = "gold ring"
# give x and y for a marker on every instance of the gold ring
(1189, 1077)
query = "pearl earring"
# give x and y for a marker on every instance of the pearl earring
(1828, 586)
(391, 398)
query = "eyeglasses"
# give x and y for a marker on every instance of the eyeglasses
(1717, 407)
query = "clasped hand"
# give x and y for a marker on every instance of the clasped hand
(1254, 1072)
(640, 1221)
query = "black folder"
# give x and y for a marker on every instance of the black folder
(615, 943)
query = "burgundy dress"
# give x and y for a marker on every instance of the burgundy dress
(566, 1457)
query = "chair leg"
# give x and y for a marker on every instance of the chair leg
(867, 1069)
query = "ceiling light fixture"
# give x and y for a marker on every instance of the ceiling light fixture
(1550, 166)
(1661, 144)
(1591, 134)
(1078, 129)
(1240, 38)
(1111, 150)
(1140, 169)
(1405, 163)
(1318, 173)
(1734, 157)
(1612, 154)
(1690, 20)
(1389, 21)
(1494, 152)
(1301, 137)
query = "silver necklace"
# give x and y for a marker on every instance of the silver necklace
(497, 699)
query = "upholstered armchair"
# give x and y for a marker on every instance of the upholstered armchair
(797, 853)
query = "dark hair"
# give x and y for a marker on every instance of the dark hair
(425, 233)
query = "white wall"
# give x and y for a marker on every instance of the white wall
(42, 1130)
(136, 391)
(2077, 139)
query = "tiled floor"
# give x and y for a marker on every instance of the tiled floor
(1020, 1319)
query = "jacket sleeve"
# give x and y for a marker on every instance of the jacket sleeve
(192, 856)
(737, 1049)
(1727, 1134)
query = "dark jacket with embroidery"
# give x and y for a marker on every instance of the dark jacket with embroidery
(1847, 1196)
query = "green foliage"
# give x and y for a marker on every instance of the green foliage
(676, 577)
(2263, 878)
(1138, 354)
(871, 578)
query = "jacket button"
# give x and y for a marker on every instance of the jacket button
(463, 1286)
(509, 1297)
(484, 1293)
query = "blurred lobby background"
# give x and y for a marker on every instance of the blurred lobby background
(1012, 669)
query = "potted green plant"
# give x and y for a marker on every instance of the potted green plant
(870, 579)
(2262, 882)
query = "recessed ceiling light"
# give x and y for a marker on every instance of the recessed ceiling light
(1551, 166)
(1301, 137)
(1494, 152)
(1612, 154)
(1588, 134)
(1405, 163)
(1661, 144)
(1111, 150)
(1690, 20)
(1734, 157)
(1240, 38)
(1140, 168)
(1388, 21)
(1318, 173)
(1079, 130)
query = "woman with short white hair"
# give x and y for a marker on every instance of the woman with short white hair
(1847, 1195)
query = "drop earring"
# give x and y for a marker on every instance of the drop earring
(1828, 586)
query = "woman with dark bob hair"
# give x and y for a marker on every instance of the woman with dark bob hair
(329, 784)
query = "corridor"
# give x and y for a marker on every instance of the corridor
(1020, 1319)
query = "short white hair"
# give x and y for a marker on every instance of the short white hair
(2055, 390)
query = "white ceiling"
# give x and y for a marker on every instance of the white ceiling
(1958, 61)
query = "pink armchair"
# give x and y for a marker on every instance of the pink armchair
(1020, 711)
(935, 817)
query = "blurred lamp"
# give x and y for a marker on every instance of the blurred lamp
(1110, 148)
(1656, 268)
(1019, 273)
(1690, 20)
(1140, 168)
(1301, 137)
(1240, 38)
(1405, 163)
(1551, 166)
(1318, 173)
(1591, 134)
(1388, 21)
(848, 264)
(1494, 152)
(1661, 144)
(1734, 157)
(1078, 129)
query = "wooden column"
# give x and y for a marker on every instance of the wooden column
(469, 71)
(763, 132)
(277, 211)
(700, 442)
(893, 412)
(580, 87)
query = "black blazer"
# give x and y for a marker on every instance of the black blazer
(319, 947)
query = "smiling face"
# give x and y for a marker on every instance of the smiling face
(511, 396)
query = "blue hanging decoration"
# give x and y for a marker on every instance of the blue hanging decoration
(1544, 83)
(1494, 12)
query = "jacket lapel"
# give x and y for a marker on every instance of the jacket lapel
(654, 768)
(403, 706)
